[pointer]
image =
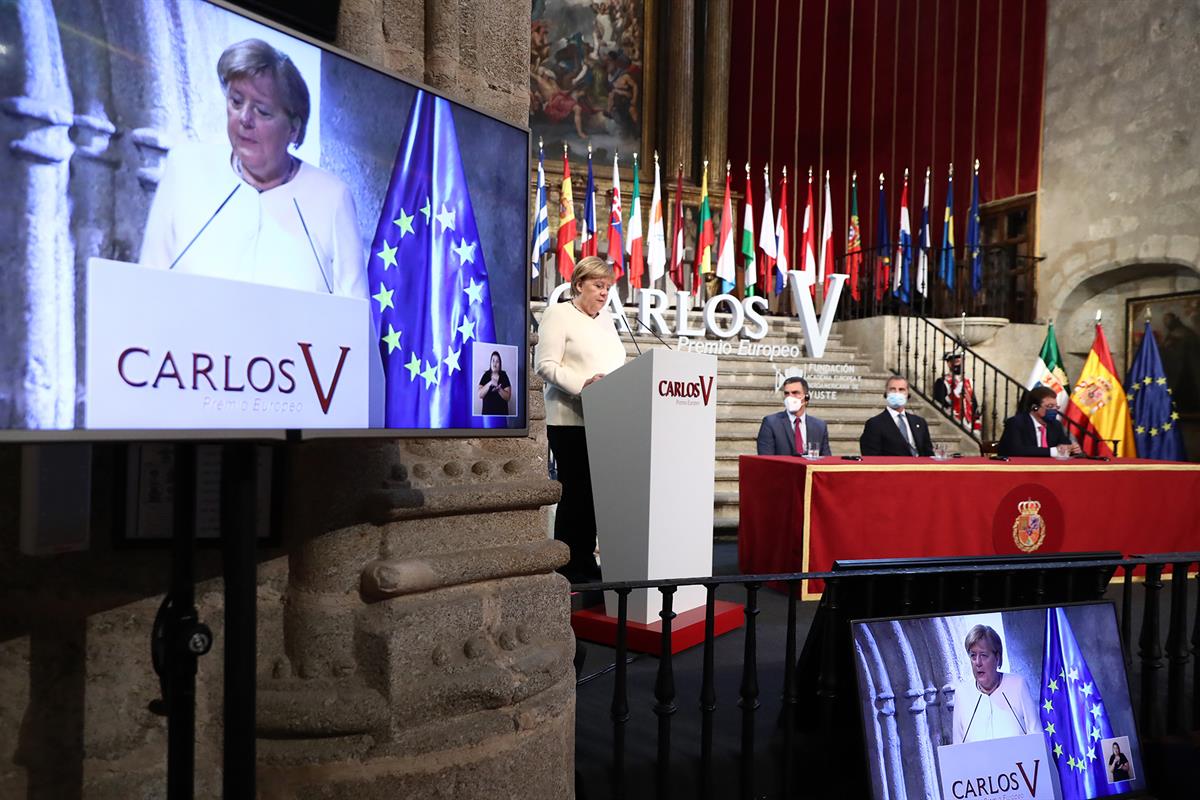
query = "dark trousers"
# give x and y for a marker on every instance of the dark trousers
(575, 522)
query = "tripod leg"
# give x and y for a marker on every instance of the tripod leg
(239, 500)
(181, 618)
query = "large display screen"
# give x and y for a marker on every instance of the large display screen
(213, 225)
(1027, 704)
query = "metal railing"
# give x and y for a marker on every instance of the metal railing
(1006, 275)
(977, 401)
(818, 681)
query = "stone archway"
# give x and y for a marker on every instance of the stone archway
(1105, 287)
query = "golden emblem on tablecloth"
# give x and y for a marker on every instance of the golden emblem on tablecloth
(1029, 528)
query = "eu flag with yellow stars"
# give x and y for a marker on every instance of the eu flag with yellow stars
(429, 282)
(1155, 421)
(1074, 718)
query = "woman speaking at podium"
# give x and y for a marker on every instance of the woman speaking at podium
(992, 704)
(252, 211)
(577, 346)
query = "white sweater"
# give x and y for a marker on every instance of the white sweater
(571, 348)
(301, 235)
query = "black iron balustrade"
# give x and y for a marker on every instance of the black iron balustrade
(905, 590)
(921, 348)
(1005, 273)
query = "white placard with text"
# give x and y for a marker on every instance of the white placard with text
(1012, 768)
(170, 350)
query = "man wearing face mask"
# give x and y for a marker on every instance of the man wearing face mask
(793, 432)
(896, 431)
(1037, 432)
(956, 394)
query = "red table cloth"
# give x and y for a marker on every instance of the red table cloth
(800, 515)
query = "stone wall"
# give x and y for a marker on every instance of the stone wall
(1120, 197)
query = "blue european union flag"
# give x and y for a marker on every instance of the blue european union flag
(1155, 422)
(1074, 719)
(974, 247)
(433, 298)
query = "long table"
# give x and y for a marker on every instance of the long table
(800, 515)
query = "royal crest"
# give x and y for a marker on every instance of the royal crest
(1029, 528)
(1092, 395)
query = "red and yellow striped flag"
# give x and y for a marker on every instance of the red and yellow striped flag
(566, 224)
(1097, 409)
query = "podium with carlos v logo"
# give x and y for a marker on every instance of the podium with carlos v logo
(1011, 768)
(651, 436)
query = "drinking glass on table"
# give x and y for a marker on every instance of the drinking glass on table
(814, 451)
(940, 451)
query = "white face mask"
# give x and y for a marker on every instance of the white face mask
(793, 404)
(896, 400)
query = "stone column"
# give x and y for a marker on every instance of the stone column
(681, 84)
(441, 43)
(714, 139)
(37, 369)
(478, 53)
(386, 32)
(427, 641)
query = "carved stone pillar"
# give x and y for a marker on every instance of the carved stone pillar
(714, 141)
(386, 32)
(681, 85)
(441, 43)
(478, 53)
(38, 365)
(427, 642)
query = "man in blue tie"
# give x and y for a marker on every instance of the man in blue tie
(793, 431)
(896, 431)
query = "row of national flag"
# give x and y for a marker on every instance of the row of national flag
(766, 256)
(1107, 419)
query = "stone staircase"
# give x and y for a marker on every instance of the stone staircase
(746, 393)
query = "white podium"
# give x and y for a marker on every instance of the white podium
(1015, 767)
(651, 437)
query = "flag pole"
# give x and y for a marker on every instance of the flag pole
(696, 265)
(879, 254)
(742, 271)
(541, 258)
(849, 224)
(634, 290)
(566, 158)
(926, 231)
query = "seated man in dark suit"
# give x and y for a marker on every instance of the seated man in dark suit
(896, 431)
(793, 432)
(1037, 432)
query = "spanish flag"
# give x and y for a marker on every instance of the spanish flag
(1097, 410)
(566, 224)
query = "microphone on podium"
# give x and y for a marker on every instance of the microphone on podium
(204, 227)
(312, 246)
(652, 332)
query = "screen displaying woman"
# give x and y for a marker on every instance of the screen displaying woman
(251, 210)
(495, 389)
(991, 704)
(1118, 764)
